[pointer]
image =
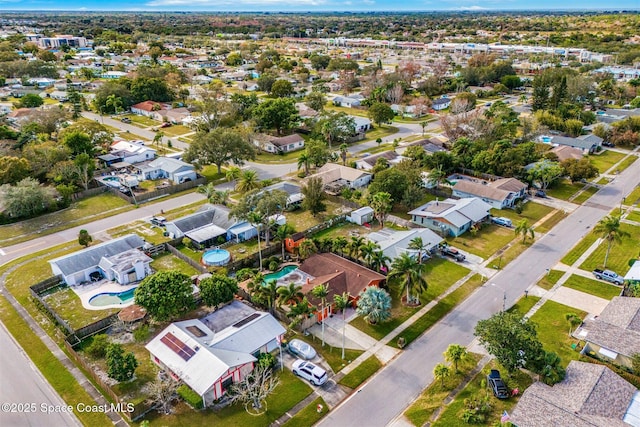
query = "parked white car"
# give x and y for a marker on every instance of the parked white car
(301, 349)
(505, 222)
(310, 372)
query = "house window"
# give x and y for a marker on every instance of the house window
(227, 383)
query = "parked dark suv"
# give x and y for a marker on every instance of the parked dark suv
(498, 387)
(453, 253)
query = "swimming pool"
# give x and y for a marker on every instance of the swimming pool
(546, 139)
(216, 257)
(280, 273)
(112, 298)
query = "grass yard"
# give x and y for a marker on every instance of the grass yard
(290, 157)
(523, 305)
(194, 254)
(531, 211)
(564, 189)
(578, 249)
(605, 160)
(378, 149)
(309, 415)
(634, 215)
(432, 397)
(551, 222)
(399, 313)
(550, 279)
(140, 121)
(211, 173)
(553, 330)
(302, 219)
(168, 261)
(441, 274)
(451, 415)
(361, 373)
(379, 132)
(438, 311)
(175, 130)
(633, 197)
(287, 394)
(148, 232)
(620, 253)
(332, 355)
(80, 212)
(486, 242)
(593, 287)
(514, 251)
(68, 305)
(344, 230)
(628, 161)
(585, 195)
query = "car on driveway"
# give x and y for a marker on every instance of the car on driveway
(453, 253)
(165, 125)
(301, 349)
(310, 372)
(505, 222)
(125, 120)
(540, 193)
(498, 387)
(158, 221)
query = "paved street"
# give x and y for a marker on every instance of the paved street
(386, 395)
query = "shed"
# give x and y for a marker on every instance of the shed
(361, 216)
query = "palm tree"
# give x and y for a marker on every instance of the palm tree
(303, 162)
(341, 302)
(525, 230)
(379, 260)
(573, 320)
(299, 311)
(374, 304)
(321, 291)
(248, 181)
(208, 190)
(307, 248)
(609, 229)
(232, 173)
(437, 176)
(454, 354)
(441, 372)
(157, 139)
(290, 295)
(410, 273)
(353, 246)
(381, 203)
(282, 233)
(270, 294)
(417, 244)
(343, 155)
(220, 197)
(114, 101)
(255, 219)
(338, 244)
(367, 250)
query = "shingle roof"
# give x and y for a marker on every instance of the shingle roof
(458, 212)
(285, 140)
(393, 242)
(332, 172)
(479, 190)
(216, 215)
(168, 164)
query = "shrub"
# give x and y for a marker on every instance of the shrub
(142, 333)
(244, 274)
(190, 396)
(266, 360)
(120, 365)
(98, 347)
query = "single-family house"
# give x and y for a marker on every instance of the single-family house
(172, 115)
(166, 167)
(59, 95)
(112, 75)
(305, 112)
(430, 145)
(367, 163)
(131, 152)
(633, 275)
(393, 243)
(587, 143)
(440, 103)
(201, 80)
(19, 116)
(294, 192)
(211, 224)
(451, 217)
(42, 82)
(363, 124)
(335, 177)
(119, 259)
(590, 395)
(345, 101)
(213, 353)
(565, 152)
(502, 193)
(279, 144)
(615, 333)
(146, 108)
(361, 216)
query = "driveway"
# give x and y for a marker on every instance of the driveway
(580, 300)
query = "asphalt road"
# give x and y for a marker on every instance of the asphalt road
(388, 393)
(25, 396)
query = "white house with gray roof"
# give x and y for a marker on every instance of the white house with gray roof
(166, 167)
(294, 192)
(119, 259)
(587, 143)
(451, 217)
(212, 353)
(394, 243)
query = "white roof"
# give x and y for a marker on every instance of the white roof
(363, 211)
(130, 147)
(458, 212)
(634, 272)
(393, 242)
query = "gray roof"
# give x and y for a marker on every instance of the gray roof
(169, 165)
(287, 187)
(124, 261)
(389, 155)
(458, 212)
(90, 257)
(575, 142)
(217, 215)
(205, 233)
(393, 243)
(590, 395)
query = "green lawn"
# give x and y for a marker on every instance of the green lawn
(551, 222)
(287, 394)
(378, 149)
(175, 130)
(141, 121)
(523, 305)
(432, 397)
(585, 195)
(553, 329)
(593, 287)
(211, 173)
(399, 313)
(620, 253)
(290, 157)
(550, 279)
(564, 189)
(486, 242)
(634, 215)
(605, 160)
(633, 197)
(302, 219)
(628, 161)
(578, 249)
(151, 234)
(451, 415)
(361, 373)
(68, 305)
(309, 415)
(380, 132)
(531, 211)
(332, 355)
(168, 261)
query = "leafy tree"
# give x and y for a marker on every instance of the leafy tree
(30, 100)
(220, 147)
(635, 363)
(573, 320)
(319, 62)
(314, 195)
(393, 181)
(525, 230)
(84, 238)
(98, 347)
(321, 292)
(410, 273)
(545, 173)
(99, 134)
(380, 113)
(510, 338)
(381, 203)
(113, 101)
(441, 372)
(48, 120)
(85, 165)
(341, 302)
(218, 289)
(78, 142)
(316, 101)
(254, 388)
(336, 127)
(151, 89)
(258, 206)
(374, 304)
(265, 82)
(579, 169)
(279, 114)
(455, 353)
(540, 98)
(549, 366)
(307, 248)
(609, 228)
(165, 294)
(13, 169)
(234, 59)
(317, 152)
(120, 365)
(25, 199)
(511, 81)
(244, 103)
(282, 89)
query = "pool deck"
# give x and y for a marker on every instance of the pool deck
(86, 291)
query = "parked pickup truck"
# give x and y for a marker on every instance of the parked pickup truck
(453, 253)
(609, 276)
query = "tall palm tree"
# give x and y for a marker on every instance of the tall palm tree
(338, 244)
(367, 250)
(379, 260)
(341, 302)
(255, 219)
(307, 248)
(609, 229)
(417, 244)
(282, 233)
(208, 190)
(353, 247)
(248, 181)
(321, 292)
(381, 203)
(232, 173)
(157, 139)
(525, 230)
(437, 176)
(290, 295)
(299, 311)
(410, 273)
(303, 162)
(343, 155)
(270, 294)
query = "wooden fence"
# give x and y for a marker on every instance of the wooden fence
(190, 261)
(88, 193)
(43, 287)
(143, 197)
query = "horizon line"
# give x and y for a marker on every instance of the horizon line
(395, 12)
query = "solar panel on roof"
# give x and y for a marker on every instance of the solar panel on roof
(178, 347)
(246, 320)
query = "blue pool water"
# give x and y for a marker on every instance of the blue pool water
(280, 273)
(216, 257)
(110, 178)
(546, 139)
(111, 298)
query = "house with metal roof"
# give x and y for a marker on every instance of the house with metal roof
(587, 143)
(451, 217)
(212, 353)
(166, 167)
(502, 193)
(394, 243)
(590, 395)
(367, 163)
(335, 177)
(615, 333)
(294, 192)
(119, 259)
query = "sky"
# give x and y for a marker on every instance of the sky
(312, 5)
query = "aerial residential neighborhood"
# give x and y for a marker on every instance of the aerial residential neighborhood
(319, 217)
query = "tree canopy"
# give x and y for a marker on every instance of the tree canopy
(219, 147)
(165, 294)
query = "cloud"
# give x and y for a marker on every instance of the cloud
(214, 3)
(471, 8)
